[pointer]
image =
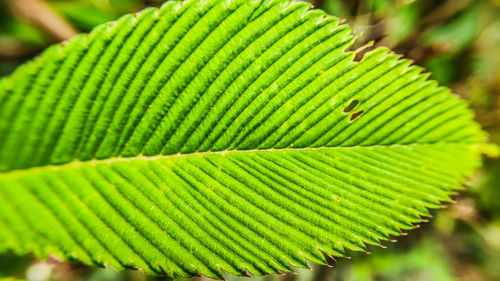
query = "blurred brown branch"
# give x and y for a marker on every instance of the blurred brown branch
(39, 13)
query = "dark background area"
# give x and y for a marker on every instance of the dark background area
(458, 41)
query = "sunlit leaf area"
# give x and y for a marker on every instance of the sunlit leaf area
(456, 41)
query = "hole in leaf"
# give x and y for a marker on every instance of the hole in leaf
(351, 106)
(361, 51)
(358, 56)
(356, 115)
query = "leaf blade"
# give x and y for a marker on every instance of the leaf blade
(211, 136)
(316, 208)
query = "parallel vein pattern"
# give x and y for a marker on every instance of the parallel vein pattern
(222, 136)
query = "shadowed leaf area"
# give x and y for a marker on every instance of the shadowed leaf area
(222, 136)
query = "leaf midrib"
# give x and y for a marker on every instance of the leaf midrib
(95, 162)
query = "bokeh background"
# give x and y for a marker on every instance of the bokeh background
(458, 41)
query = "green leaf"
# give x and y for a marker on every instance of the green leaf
(222, 136)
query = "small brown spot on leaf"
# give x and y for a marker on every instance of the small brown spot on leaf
(351, 106)
(356, 115)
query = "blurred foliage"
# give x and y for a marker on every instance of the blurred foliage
(458, 41)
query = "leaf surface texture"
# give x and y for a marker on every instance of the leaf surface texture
(222, 136)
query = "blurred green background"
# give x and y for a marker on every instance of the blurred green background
(458, 41)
